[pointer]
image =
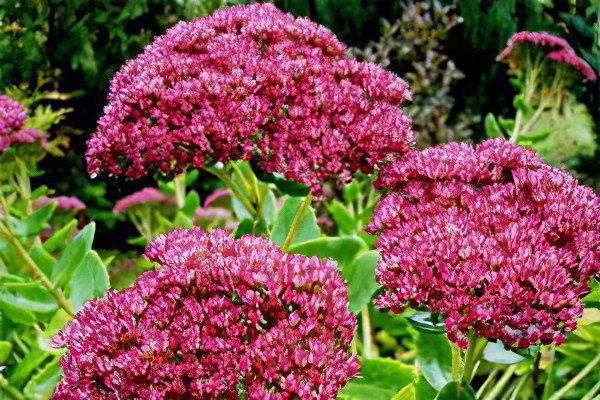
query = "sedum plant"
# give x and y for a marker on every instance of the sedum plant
(548, 117)
(485, 255)
(47, 267)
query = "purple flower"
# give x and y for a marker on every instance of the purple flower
(12, 118)
(555, 48)
(490, 237)
(145, 195)
(220, 317)
(251, 81)
(63, 202)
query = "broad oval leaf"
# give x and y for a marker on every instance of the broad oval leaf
(341, 249)
(73, 255)
(307, 228)
(434, 355)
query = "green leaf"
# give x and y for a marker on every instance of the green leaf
(26, 366)
(307, 227)
(423, 390)
(29, 296)
(351, 191)
(89, 280)
(492, 128)
(360, 277)
(406, 393)
(286, 186)
(592, 300)
(496, 353)
(434, 356)
(5, 350)
(191, 204)
(426, 322)
(59, 239)
(450, 392)
(245, 227)
(346, 223)
(41, 385)
(34, 222)
(520, 104)
(380, 379)
(73, 255)
(42, 259)
(182, 220)
(341, 249)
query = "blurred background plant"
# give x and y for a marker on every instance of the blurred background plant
(414, 44)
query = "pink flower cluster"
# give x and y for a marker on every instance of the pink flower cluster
(63, 202)
(220, 318)
(490, 237)
(146, 195)
(12, 118)
(556, 48)
(251, 81)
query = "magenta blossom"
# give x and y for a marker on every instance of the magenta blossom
(555, 48)
(490, 237)
(63, 202)
(251, 81)
(145, 195)
(220, 319)
(12, 118)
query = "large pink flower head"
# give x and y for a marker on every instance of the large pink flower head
(251, 81)
(12, 118)
(490, 237)
(555, 48)
(221, 318)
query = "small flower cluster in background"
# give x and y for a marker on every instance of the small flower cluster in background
(12, 120)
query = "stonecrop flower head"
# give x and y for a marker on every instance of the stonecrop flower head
(251, 81)
(146, 195)
(221, 319)
(490, 237)
(523, 44)
(12, 119)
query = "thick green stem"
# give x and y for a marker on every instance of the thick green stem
(35, 271)
(474, 353)
(456, 361)
(586, 370)
(222, 175)
(296, 222)
(366, 333)
(179, 182)
(499, 387)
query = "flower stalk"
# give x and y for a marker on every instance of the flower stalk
(35, 271)
(296, 222)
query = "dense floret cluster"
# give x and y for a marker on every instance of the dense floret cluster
(146, 195)
(251, 82)
(222, 318)
(555, 48)
(12, 118)
(490, 237)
